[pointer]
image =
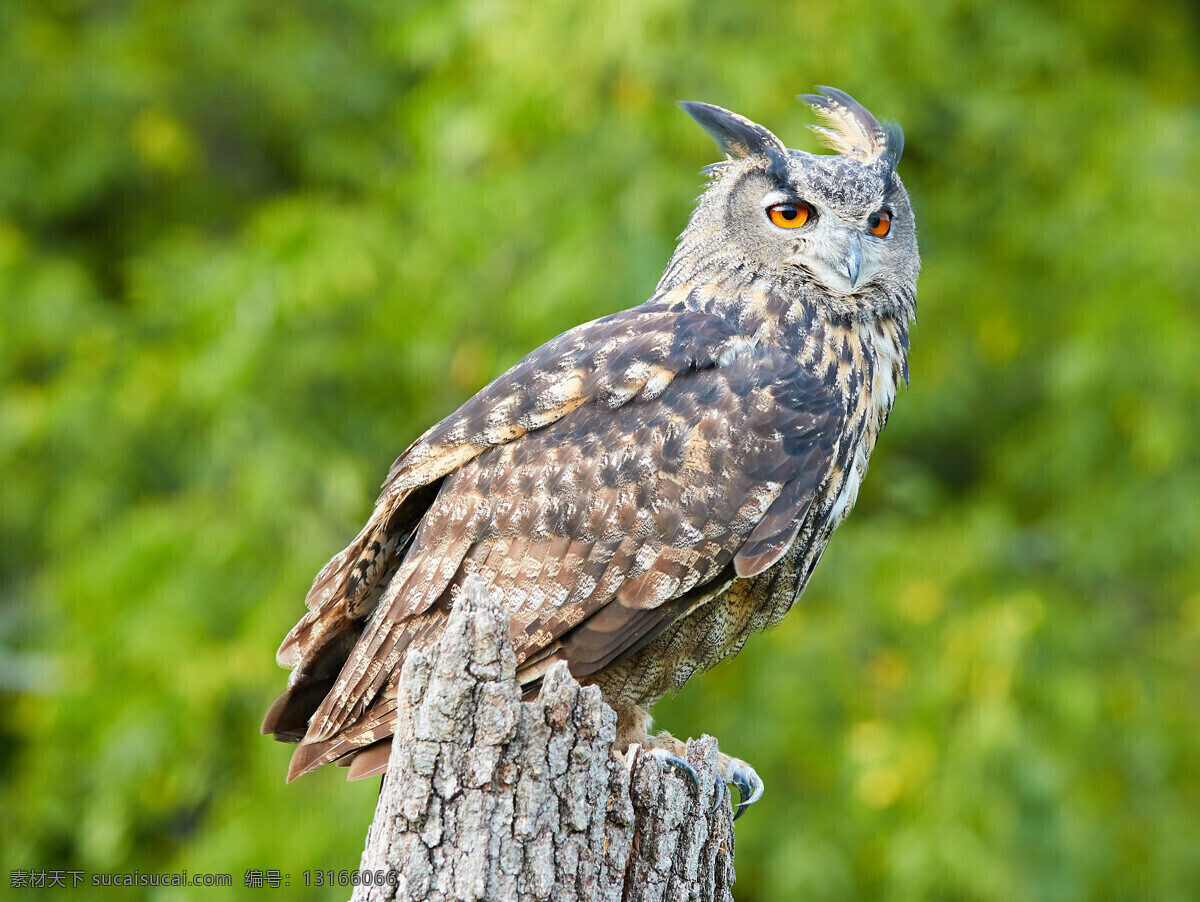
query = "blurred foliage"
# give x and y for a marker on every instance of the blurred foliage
(248, 252)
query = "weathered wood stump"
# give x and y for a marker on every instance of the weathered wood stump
(491, 798)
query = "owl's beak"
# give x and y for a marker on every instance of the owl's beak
(852, 262)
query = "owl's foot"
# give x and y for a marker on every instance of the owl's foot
(669, 751)
(730, 771)
(742, 775)
(670, 759)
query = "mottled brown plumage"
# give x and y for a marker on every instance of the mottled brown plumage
(648, 489)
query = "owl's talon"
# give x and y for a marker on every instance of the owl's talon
(680, 764)
(743, 776)
(722, 792)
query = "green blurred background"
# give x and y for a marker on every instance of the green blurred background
(249, 252)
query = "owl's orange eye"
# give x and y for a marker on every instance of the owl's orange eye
(789, 216)
(880, 223)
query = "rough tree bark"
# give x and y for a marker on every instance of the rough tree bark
(488, 797)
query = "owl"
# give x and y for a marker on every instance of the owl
(647, 490)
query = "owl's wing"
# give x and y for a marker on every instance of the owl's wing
(608, 362)
(654, 510)
(601, 529)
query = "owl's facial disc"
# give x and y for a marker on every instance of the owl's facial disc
(821, 242)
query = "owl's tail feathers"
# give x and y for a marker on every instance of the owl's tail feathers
(369, 738)
(318, 646)
(287, 718)
(347, 589)
(370, 762)
(310, 683)
(351, 577)
(339, 598)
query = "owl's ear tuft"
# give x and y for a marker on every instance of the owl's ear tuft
(850, 128)
(737, 136)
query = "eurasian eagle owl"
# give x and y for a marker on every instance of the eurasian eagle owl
(647, 490)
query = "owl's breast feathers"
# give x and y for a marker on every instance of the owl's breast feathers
(607, 485)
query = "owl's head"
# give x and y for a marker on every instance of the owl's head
(841, 223)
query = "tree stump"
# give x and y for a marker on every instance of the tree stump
(491, 798)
